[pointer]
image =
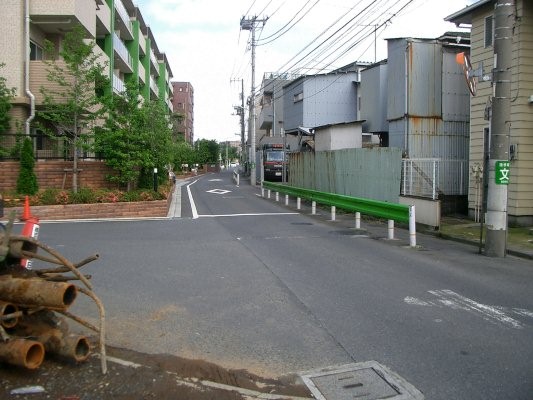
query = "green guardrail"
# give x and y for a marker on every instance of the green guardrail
(375, 208)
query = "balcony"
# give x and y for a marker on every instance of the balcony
(122, 21)
(142, 43)
(265, 118)
(56, 17)
(102, 58)
(103, 19)
(39, 79)
(155, 64)
(142, 74)
(123, 60)
(119, 86)
(153, 88)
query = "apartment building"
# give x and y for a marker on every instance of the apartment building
(125, 43)
(183, 103)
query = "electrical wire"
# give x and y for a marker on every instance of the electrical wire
(260, 42)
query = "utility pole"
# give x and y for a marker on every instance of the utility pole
(499, 165)
(240, 112)
(250, 24)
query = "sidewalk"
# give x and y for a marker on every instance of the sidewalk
(519, 240)
(461, 229)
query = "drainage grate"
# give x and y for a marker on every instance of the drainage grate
(365, 381)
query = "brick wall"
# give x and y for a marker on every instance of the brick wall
(51, 173)
(140, 209)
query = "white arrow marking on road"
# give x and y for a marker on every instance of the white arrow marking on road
(449, 298)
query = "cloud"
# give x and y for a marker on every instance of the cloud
(205, 46)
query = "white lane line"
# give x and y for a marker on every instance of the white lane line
(243, 215)
(191, 200)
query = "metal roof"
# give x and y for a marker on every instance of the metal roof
(464, 16)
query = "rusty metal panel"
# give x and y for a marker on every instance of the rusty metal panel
(455, 94)
(432, 137)
(424, 63)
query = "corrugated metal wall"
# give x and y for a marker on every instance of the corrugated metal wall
(368, 173)
(329, 99)
(374, 98)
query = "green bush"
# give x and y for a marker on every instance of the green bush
(84, 196)
(27, 180)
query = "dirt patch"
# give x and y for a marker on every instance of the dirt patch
(148, 377)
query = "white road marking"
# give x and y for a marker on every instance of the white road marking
(493, 314)
(218, 191)
(191, 200)
(243, 215)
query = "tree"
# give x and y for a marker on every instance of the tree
(73, 103)
(119, 141)
(207, 151)
(228, 152)
(158, 140)
(135, 138)
(6, 95)
(27, 180)
(183, 153)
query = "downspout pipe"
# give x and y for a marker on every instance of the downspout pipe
(27, 65)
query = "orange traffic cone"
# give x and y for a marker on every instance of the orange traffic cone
(26, 214)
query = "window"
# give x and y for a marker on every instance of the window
(36, 51)
(489, 31)
(298, 97)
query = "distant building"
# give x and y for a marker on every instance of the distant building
(318, 100)
(183, 103)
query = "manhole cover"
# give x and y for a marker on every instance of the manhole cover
(366, 381)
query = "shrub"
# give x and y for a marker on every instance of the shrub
(27, 180)
(62, 197)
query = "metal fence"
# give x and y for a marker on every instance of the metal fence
(44, 148)
(434, 177)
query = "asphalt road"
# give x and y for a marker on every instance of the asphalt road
(249, 283)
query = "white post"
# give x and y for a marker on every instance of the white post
(277, 196)
(357, 220)
(313, 207)
(268, 193)
(298, 203)
(412, 226)
(333, 211)
(391, 229)
(286, 199)
(263, 192)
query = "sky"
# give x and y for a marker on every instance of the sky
(205, 46)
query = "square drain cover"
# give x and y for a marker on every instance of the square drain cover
(365, 381)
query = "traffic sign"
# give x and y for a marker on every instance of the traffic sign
(502, 172)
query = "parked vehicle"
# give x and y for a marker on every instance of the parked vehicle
(274, 161)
